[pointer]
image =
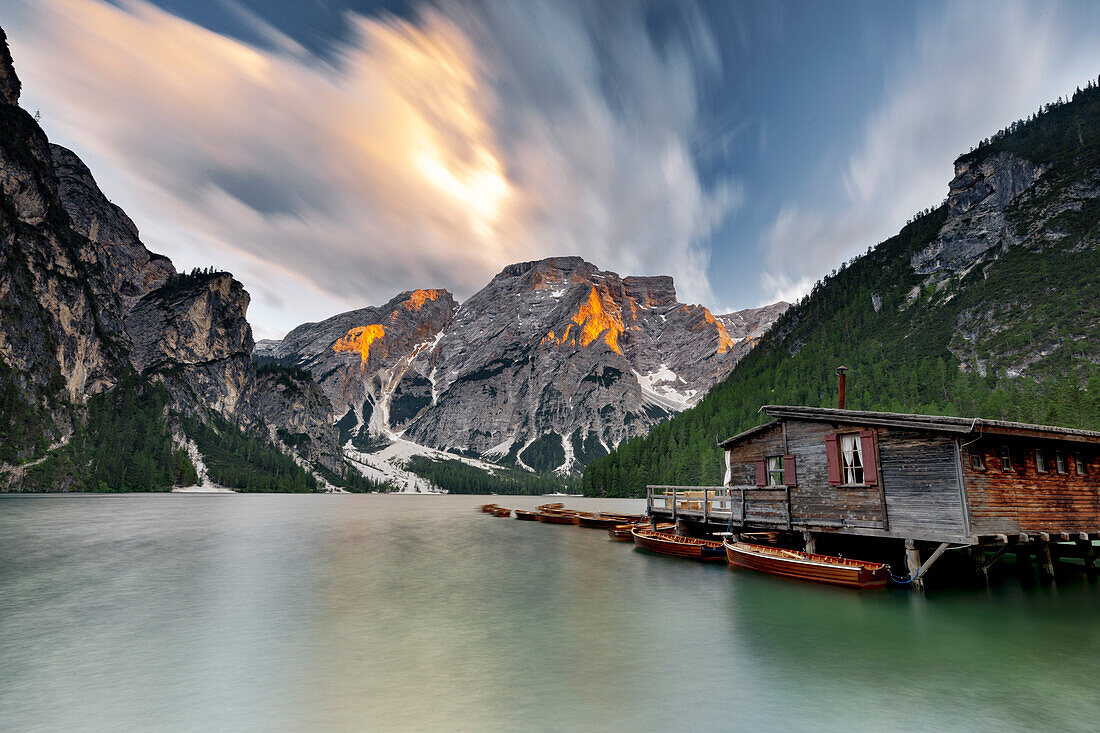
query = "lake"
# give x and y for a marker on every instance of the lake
(372, 612)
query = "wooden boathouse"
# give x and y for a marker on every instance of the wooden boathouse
(930, 482)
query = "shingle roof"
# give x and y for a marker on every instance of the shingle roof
(935, 423)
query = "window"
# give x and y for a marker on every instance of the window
(1079, 462)
(1006, 459)
(775, 471)
(1060, 463)
(977, 460)
(851, 458)
(1040, 461)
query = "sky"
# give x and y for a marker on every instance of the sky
(333, 153)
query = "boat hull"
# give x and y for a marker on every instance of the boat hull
(676, 546)
(557, 518)
(600, 521)
(526, 516)
(804, 566)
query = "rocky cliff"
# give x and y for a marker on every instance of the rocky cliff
(85, 307)
(548, 366)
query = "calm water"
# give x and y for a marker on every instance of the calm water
(300, 613)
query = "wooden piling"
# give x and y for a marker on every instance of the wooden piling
(1045, 561)
(913, 564)
(810, 542)
(1088, 554)
(981, 565)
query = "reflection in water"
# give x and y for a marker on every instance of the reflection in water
(351, 612)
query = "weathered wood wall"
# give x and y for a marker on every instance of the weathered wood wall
(921, 480)
(817, 502)
(1024, 500)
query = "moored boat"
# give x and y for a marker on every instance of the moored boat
(488, 508)
(806, 566)
(502, 512)
(676, 545)
(600, 520)
(558, 516)
(550, 507)
(526, 516)
(624, 532)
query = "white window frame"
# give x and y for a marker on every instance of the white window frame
(1060, 464)
(775, 473)
(1079, 464)
(1040, 461)
(1006, 460)
(977, 459)
(851, 459)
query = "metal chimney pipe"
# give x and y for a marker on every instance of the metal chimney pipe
(840, 370)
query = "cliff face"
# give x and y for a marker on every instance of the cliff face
(84, 305)
(977, 198)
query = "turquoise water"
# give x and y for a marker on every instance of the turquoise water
(302, 613)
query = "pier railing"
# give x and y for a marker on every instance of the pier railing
(770, 505)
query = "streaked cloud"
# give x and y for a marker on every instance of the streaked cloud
(972, 69)
(426, 154)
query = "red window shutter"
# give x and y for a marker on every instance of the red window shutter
(832, 460)
(870, 464)
(761, 472)
(790, 477)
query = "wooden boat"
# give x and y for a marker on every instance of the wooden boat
(604, 521)
(807, 566)
(624, 532)
(678, 546)
(550, 507)
(488, 508)
(558, 516)
(526, 515)
(502, 512)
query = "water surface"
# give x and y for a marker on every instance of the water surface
(294, 613)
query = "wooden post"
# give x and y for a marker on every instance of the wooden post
(674, 503)
(1088, 555)
(811, 543)
(1045, 562)
(742, 506)
(913, 563)
(705, 492)
(981, 566)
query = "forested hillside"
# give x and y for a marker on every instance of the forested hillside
(1013, 333)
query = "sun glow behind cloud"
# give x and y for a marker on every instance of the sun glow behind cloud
(426, 154)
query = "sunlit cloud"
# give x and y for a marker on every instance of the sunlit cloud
(426, 154)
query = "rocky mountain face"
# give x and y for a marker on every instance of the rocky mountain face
(982, 307)
(86, 306)
(550, 365)
(977, 198)
(367, 361)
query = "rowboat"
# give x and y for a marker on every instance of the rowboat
(807, 566)
(673, 544)
(550, 507)
(558, 516)
(502, 512)
(488, 508)
(526, 515)
(624, 532)
(604, 521)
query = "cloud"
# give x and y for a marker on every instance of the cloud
(426, 154)
(973, 68)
